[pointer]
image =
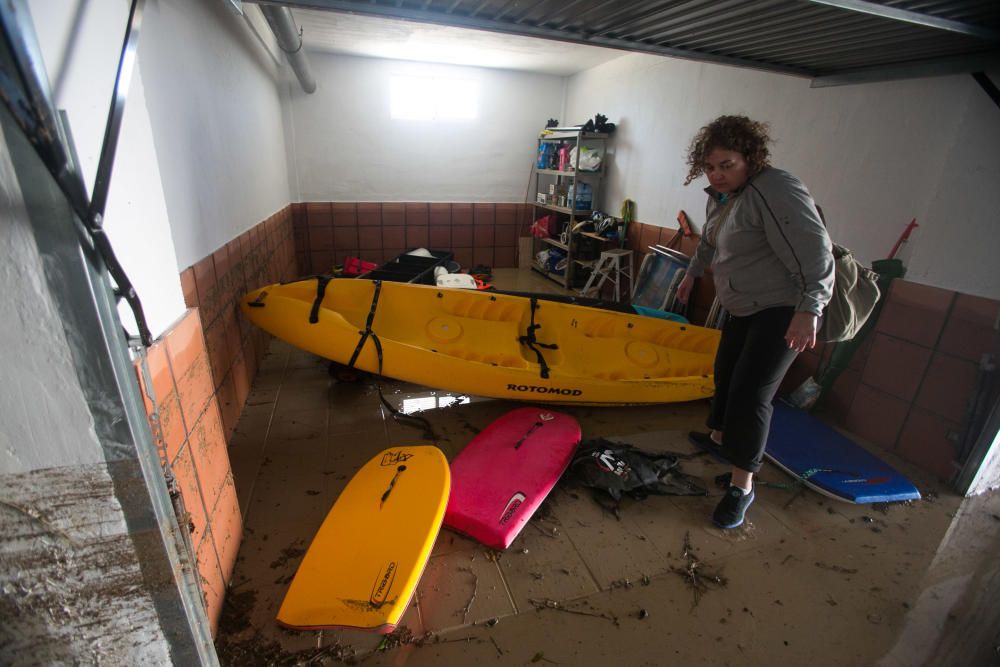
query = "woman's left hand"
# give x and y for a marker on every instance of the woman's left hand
(801, 334)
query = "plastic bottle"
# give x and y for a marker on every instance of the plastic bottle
(543, 156)
(584, 196)
(563, 157)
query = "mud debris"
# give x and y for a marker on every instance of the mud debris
(258, 651)
(288, 554)
(699, 578)
(836, 568)
(236, 609)
(492, 555)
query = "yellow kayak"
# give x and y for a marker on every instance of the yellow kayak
(486, 344)
(365, 561)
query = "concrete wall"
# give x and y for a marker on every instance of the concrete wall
(874, 156)
(346, 147)
(71, 579)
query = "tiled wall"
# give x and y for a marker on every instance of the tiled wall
(194, 444)
(201, 371)
(326, 233)
(908, 387)
(260, 256)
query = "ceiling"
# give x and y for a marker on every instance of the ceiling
(831, 42)
(356, 35)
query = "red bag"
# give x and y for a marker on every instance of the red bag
(355, 267)
(542, 228)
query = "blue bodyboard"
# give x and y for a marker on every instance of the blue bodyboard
(827, 462)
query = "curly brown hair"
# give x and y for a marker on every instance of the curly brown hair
(734, 133)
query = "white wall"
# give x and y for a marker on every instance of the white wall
(874, 156)
(215, 111)
(81, 44)
(201, 155)
(346, 148)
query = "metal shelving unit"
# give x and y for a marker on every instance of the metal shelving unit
(567, 215)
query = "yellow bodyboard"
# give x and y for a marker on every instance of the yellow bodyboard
(364, 563)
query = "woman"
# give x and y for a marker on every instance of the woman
(772, 265)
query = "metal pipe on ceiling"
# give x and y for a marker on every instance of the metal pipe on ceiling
(290, 40)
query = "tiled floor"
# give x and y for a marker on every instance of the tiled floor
(806, 581)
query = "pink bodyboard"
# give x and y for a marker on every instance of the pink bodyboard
(505, 472)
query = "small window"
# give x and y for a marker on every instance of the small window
(433, 98)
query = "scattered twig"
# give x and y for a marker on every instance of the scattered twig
(459, 640)
(499, 650)
(548, 603)
(475, 589)
(699, 579)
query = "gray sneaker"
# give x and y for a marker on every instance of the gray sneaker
(732, 509)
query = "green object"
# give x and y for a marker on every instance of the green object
(840, 358)
(628, 213)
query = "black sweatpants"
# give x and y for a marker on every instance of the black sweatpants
(752, 360)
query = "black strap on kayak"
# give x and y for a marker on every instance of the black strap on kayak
(417, 422)
(321, 283)
(533, 343)
(368, 333)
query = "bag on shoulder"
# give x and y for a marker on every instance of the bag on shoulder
(855, 293)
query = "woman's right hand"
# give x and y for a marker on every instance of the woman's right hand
(684, 289)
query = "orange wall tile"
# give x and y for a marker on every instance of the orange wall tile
(190, 366)
(213, 583)
(202, 370)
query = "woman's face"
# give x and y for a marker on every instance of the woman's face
(726, 170)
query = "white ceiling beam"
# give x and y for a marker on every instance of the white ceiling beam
(908, 16)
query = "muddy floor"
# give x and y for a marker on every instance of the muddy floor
(806, 580)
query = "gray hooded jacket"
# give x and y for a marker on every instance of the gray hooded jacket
(771, 249)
